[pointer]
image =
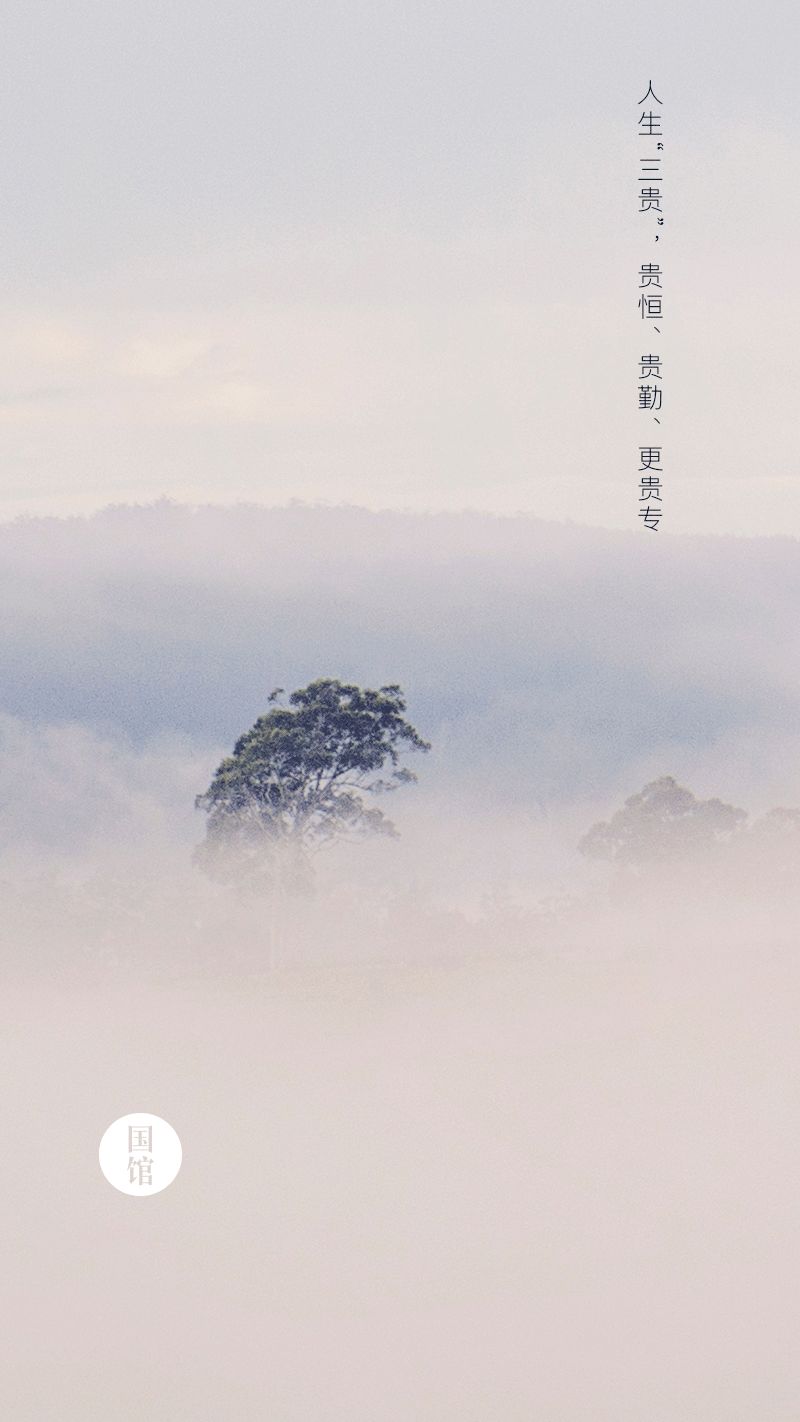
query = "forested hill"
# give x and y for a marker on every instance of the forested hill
(542, 659)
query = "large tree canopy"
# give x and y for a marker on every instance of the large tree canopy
(664, 821)
(300, 775)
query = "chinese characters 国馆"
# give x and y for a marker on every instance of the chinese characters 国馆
(140, 1168)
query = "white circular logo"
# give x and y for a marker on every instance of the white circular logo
(140, 1154)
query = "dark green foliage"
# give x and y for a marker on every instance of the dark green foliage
(298, 779)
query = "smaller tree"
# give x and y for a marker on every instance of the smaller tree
(664, 821)
(299, 778)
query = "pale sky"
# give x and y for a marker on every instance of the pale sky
(386, 254)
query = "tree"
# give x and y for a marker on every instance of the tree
(664, 821)
(297, 780)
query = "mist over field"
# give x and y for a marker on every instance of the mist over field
(495, 1121)
(554, 668)
(482, 1127)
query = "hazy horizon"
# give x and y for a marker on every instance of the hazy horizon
(322, 359)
